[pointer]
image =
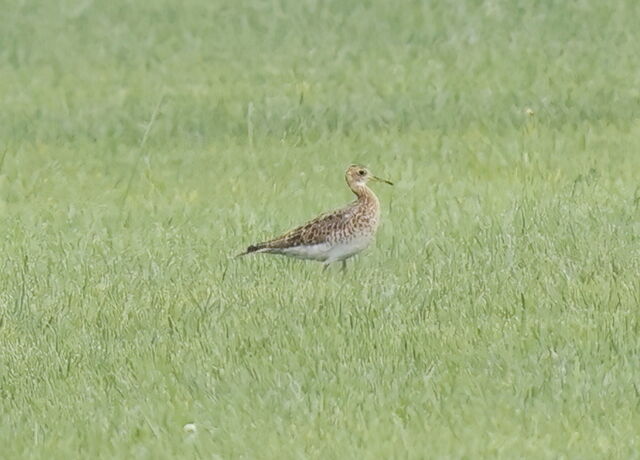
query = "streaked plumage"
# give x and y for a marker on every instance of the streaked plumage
(337, 235)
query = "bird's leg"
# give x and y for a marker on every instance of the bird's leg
(344, 266)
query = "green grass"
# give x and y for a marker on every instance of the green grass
(144, 143)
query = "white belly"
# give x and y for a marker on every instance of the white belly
(327, 252)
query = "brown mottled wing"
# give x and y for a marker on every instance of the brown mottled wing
(320, 230)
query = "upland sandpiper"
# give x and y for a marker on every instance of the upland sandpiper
(337, 235)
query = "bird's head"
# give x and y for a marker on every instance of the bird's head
(358, 175)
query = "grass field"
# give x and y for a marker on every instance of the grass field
(142, 144)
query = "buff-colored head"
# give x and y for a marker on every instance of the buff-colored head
(357, 176)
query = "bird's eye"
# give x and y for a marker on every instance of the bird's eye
(362, 172)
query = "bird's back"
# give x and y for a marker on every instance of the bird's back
(357, 220)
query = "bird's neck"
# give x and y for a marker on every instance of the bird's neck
(365, 195)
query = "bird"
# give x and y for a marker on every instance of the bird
(334, 236)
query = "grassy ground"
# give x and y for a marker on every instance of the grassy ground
(143, 143)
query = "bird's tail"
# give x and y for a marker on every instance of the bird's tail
(253, 248)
